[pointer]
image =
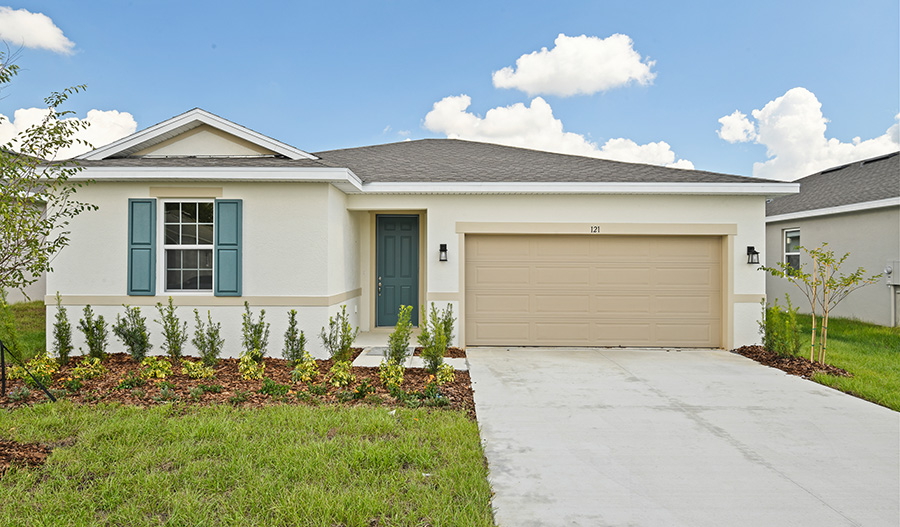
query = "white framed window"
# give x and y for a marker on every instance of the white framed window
(792, 248)
(187, 234)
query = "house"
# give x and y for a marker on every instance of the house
(855, 208)
(528, 247)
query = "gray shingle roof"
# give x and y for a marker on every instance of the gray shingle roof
(871, 179)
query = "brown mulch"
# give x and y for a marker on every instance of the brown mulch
(799, 366)
(22, 454)
(451, 353)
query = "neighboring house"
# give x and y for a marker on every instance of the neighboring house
(529, 247)
(855, 208)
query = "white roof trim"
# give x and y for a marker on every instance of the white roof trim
(853, 207)
(768, 189)
(186, 119)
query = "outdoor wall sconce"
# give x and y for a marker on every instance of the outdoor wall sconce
(752, 255)
(443, 252)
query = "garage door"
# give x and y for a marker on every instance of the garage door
(542, 290)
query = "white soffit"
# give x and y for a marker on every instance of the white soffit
(184, 122)
(767, 189)
(342, 178)
(852, 207)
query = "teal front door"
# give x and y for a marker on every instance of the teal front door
(396, 267)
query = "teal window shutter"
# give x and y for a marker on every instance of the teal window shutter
(142, 247)
(228, 247)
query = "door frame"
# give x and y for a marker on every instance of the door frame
(373, 259)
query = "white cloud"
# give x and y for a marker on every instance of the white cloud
(20, 27)
(577, 65)
(792, 128)
(535, 127)
(104, 128)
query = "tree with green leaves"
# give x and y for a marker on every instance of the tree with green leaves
(37, 198)
(824, 287)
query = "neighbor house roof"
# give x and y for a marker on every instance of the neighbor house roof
(869, 183)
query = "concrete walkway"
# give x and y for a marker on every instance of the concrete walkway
(692, 437)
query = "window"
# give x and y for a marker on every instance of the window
(188, 245)
(792, 248)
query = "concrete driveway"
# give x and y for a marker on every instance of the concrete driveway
(687, 437)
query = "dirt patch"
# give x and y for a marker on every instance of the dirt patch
(799, 366)
(451, 353)
(21, 454)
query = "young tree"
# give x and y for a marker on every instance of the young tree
(37, 200)
(824, 287)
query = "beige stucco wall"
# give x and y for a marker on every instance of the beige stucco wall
(871, 237)
(204, 140)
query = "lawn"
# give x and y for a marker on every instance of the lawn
(29, 321)
(871, 353)
(279, 465)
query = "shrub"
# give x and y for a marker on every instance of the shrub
(447, 322)
(95, 333)
(340, 374)
(305, 370)
(89, 368)
(62, 333)
(270, 387)
(398, 341)
(294, 341)
(340, 336)
(255, 334)
(132, 331)
(207, 339)
(156, 368)
(195, 393)
(779, 328)
(166, 393)
(317, 389)
(131, 381)
(433, 337)
(364, 389)
(20, 393)
(239, 397)
(210, 388)
(174, 332)
(196, 370)
(251, 365)
(72, 385)
(42, 369)
(445, 374)
(391, 374)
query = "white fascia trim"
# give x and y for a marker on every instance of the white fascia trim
(204, 117)
(768, 189)
(853, 207)
(343, 178)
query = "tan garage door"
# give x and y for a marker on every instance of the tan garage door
(542, 290)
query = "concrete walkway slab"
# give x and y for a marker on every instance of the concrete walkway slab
(678, 437)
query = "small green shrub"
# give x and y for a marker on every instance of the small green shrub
(779, 329)
(445, 374)
(208, 339)
(210, 388)
(196, 370)
(196, 393)
(433, 336)
(72, 385)
(58, 393)
(140, 393)
(89, 368)
(95, 332)
(41, 367)
(305, 370)
(132, 331)
(391, 374)
(447, 322)
(167, 384)
(340, 374)
(166, 394)
(363, 390)
(239, 397)
(255, 335)
(174, 331)
(251, 365)
(318, 389)
(294, 340)
(270, 387)
(340, 336)
(156, 368)
(131, 381)
(398, 341)
(62, 333)
(19, 394)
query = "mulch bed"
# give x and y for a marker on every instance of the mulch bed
(799, 366)
(451, 353)
(21, 454)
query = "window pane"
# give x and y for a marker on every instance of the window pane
(173, 259)
(190, 259)
(172, 234)
(189, 213)
(205, 214)
(188, 234)
(793, 260)
(205, 279)
(205, 234)
(791, 241)
(173, 279)
(205, 257)
(189, 279)
(171, 212)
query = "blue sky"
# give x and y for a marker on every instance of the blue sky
(331, 75)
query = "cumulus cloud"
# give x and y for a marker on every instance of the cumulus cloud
(578, 65)
(792, 128)
(535, 127)
(104, 127)
(20, 27)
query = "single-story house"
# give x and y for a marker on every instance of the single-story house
(855, 208)
(529, 248)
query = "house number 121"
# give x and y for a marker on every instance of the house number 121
(595, 229)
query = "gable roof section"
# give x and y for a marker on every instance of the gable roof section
(183, 123)
(866, 184)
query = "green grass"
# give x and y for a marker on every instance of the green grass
(281, 465)
(871, 353)
(29, 319)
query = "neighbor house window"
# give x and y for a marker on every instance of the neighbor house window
(188, 242)
(792, 248)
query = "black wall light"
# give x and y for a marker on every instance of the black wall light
(443, 252)
(752, 255)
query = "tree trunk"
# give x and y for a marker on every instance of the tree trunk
(824, 339)
(815, 292)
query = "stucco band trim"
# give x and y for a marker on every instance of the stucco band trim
(705, 229)
(197, 300)
(186, 192)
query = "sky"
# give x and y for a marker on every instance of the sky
(770, 89)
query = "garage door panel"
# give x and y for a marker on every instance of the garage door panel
(487, 304)
(553, 248)
(687, 334)
(622, 277)
(566, 275)
(689, 305)
(500, 332)
(499, 276)
(562, 332)
(606, 304)
(685, 277)
(614, 333)
(550, 304)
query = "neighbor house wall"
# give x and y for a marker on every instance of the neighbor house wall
(871, 237)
